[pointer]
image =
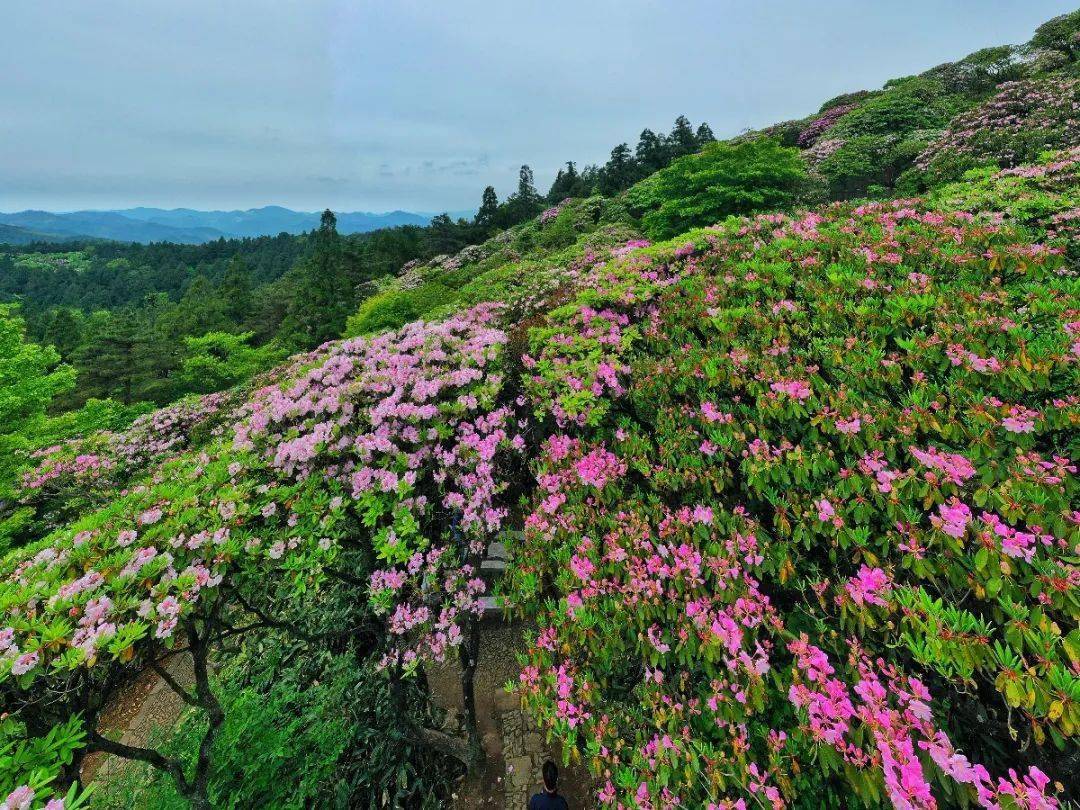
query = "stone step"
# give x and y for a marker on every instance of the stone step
(492, 605)
(497, 551)
(492, 566)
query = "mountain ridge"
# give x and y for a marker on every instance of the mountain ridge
(144, 224)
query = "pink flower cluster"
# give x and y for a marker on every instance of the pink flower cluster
(816, 128)
(895, 710)
(955, 468)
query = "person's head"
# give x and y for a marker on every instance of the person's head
(551, 776)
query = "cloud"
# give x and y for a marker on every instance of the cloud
(362, 105)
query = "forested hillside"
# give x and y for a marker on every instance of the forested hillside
(778, 436)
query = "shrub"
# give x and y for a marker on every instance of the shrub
(980, 71)
(721, 180)
(857, 163)
(805, 528)
(395, 308)
(1019, 122)
(914, 104)
(847, 98)
(293, 739)
(1061, 34)
(219, 360)
(813, 131)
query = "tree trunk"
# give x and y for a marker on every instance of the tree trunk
(468, 652)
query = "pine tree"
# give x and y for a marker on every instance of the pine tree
(682, 139)
(104, 360)
(619, 172)
(444, 235)
(489, 208)
(327, 294)
(64, 331)
(704, 134)
(524, 204)
(201, 309)
(235, 291)
(157, 344)
(651, 151)
(526, 186)
(567, 184)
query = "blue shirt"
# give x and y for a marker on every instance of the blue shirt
(548, 801)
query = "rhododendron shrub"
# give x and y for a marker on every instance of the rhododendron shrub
(380, 465)
(30, 767)
(1044, 196)
(1023, 119)
(821, 124)
(81, 474)
(806, 525)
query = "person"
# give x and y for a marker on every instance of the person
(549, 798)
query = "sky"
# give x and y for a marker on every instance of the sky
(397, 104)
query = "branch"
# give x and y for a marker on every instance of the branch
(207, 699)
(184, 694)
(445, 744)
(345, 577)
(266, 620)
(147, 755)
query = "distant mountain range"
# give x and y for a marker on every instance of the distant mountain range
(10, 235)
(186, 225)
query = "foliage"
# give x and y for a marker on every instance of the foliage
(722, 180)
(31, 376)
(30, 767)
(852, 167)
(394, 308)
(219, 360)
(1044, 197)
(821, 124)
(1058, 34)
(808, 469)
(296, 736)
(912, 104)
(981, 71)
(800, 512)
(1019, 122)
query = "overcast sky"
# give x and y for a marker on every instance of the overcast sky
(362, 105)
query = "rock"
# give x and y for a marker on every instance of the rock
(506, 701)
(492, 744)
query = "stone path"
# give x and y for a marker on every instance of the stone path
(515, 747)
(524, 752)
(145, 706)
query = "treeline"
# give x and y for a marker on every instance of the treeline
(623, 168)
(128, 317)
(134, 320)
(626, 167)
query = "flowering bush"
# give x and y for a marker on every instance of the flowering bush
(820, 125)
(1021, 120)
(801, 525)
(1044, 197)
(83, 473)
(382, 458)
(30, 768)
(807, 523)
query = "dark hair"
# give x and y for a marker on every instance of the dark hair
(551, 775)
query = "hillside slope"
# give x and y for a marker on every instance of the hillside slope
(790, 501)
(188, 226)
(744, 446)
(13, 235)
